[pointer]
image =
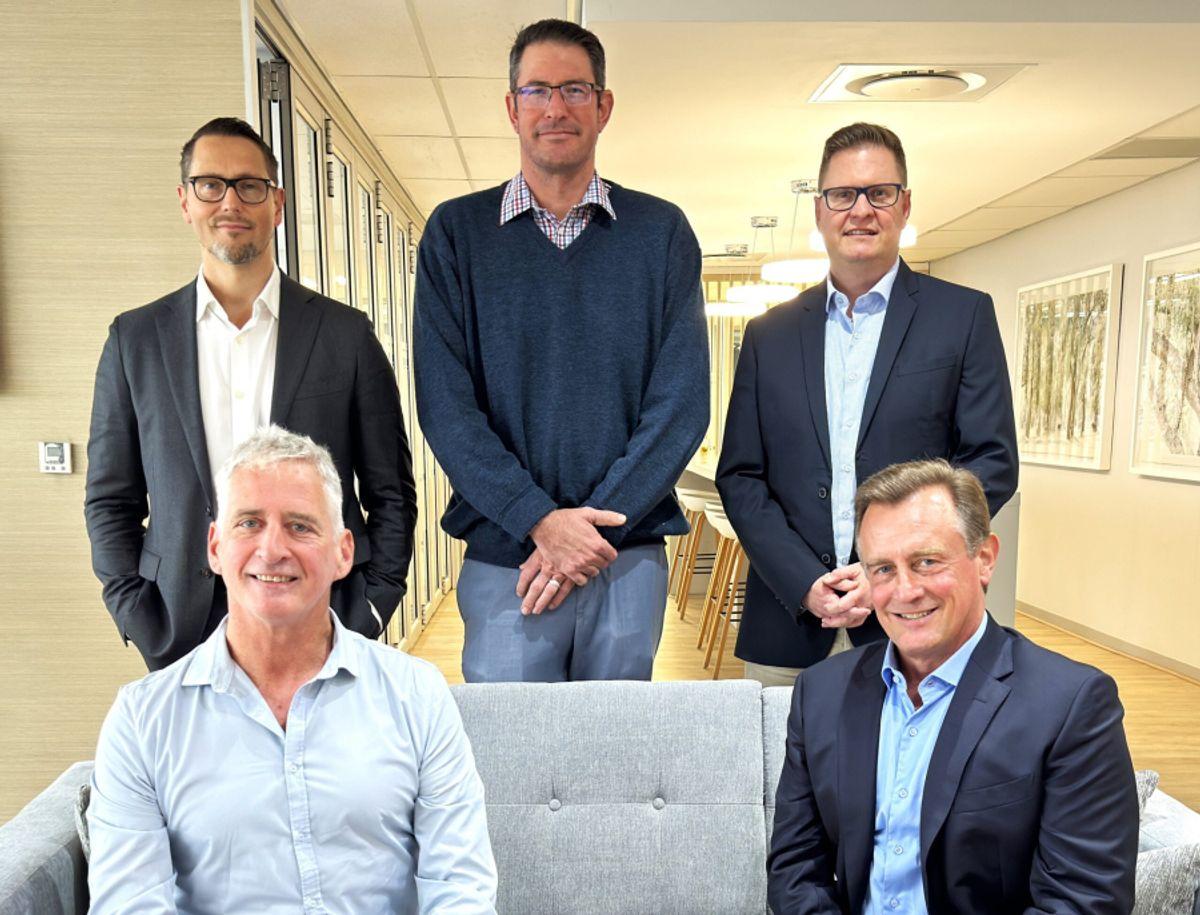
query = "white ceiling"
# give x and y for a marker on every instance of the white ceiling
(712, 107)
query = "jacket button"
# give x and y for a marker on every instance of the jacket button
(822, 492)
(826, 558)
(206, 573)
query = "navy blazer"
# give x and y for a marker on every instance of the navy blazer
(147, 456)
(939, 388)
(1029, 803)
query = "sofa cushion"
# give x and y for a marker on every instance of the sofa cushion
(609, 797)
(1147, 781)
(1167, 879)
(777, 703)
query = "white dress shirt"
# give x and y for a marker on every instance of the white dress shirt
(237, 368)
(368, 802)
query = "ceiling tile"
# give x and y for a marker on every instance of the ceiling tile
(1065, 191)
(395, 105)
(363, 37)
(477, 106)
(959, 238)
(1184, 125)
(472, 37)
(1094, 168)
(422, 157)
(428, 193)
(1004, 217)
(491, 159)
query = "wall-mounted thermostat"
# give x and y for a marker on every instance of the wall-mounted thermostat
(55, 457)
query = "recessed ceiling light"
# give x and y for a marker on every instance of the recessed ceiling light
(911, 87)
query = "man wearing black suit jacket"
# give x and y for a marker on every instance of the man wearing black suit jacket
(182, 380)
(875, 366)
(957, 767)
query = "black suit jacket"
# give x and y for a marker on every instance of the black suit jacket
(1029, 802)
(147, 456)
(938, 389)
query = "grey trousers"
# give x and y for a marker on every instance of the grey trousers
(768, 675)
(607, 630)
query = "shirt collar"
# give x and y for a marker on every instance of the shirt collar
(212, 665)
(883, 288)
(268, 298)
(949, 671)
(518, 198)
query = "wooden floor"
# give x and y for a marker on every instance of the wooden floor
(1162, 710)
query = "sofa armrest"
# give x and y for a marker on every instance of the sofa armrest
(42, 871)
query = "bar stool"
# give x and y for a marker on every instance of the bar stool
(726, 587)
(688, 559)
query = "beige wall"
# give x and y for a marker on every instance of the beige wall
(95, 100)
(1112, 552)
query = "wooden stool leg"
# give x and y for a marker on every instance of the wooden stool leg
(724, 598)
(679, 550)
(689, 566)
(712, 598)
(739, 569)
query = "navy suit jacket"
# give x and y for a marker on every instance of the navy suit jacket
(147, 456)
(1029, 803)
(939, 389)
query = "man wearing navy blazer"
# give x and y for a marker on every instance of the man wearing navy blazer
(957, 767)
(182, 380)
(875, 366)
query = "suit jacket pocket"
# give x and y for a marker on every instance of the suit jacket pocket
(322, 387)
(945, 361)
(1001, 794)
(148, 565)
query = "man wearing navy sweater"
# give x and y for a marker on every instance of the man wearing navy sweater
(562, 381)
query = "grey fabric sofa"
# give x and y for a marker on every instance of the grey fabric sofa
(602, 798)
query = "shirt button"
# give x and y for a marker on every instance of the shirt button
(238, 340)
(903, 792)
(846, 468)
(846, 514)
(895, 903)
(854, 376)
(847, 424)
(294, 768)
(237, 395)
(899, 849)
(912, 732)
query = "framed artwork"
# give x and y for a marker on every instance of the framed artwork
(1067, 332)
(1166, 431)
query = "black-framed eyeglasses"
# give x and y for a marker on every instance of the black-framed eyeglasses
(573, 93)
(879, 196)
(212, 188)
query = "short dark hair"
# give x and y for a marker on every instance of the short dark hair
(227, 127)
(861, 134)
(556, 31)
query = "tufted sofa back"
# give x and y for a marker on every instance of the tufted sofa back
(628, 797)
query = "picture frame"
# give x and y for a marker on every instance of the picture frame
(1067, 341)
(1166, 429)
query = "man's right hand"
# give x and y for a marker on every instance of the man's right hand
(568, 540)
(840, 599)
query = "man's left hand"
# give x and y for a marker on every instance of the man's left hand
(542, 586)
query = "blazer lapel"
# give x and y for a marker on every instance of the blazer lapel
(812, 349)
(298, 323)
(177, 338)
(858, 752)
(896, 319)
(978, 696)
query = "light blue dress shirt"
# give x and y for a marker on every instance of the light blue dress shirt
(850, 344)
(906, 740)
(369, 802)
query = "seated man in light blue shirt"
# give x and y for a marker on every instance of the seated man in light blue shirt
(287, 764)
(957, 767)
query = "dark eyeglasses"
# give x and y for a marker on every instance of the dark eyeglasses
(879, 196)
(573, 93)
(212, 189)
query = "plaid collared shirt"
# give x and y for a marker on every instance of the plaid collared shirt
(518, 198)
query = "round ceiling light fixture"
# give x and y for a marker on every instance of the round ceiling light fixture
(916, 85)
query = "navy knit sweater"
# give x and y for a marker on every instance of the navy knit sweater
(553, 379)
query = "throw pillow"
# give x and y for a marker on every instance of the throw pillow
(1166, 880)
(81, 826)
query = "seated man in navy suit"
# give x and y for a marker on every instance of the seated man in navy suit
(957, 767)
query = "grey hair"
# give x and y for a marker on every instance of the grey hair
(272, 445)
(896, 483)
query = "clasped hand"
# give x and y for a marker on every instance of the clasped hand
(841, 598)
(570, 552)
